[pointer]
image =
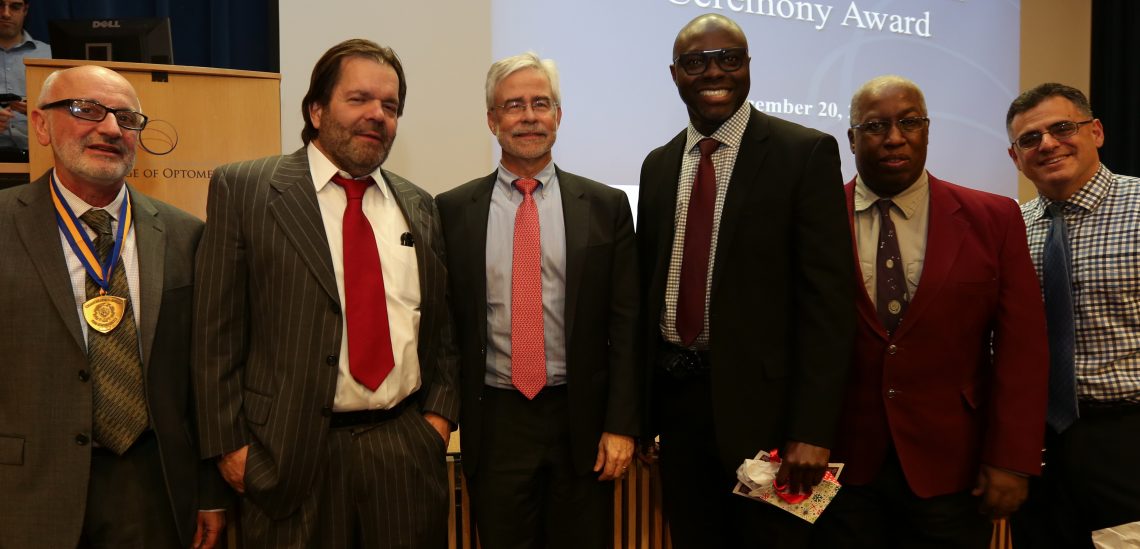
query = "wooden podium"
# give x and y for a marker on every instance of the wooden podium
(218, 115)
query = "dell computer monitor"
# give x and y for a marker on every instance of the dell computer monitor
(132, 40)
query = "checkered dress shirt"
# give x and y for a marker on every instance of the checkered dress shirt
(1103, 220)
(729, 135)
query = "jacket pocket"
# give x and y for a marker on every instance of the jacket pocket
(256, 407)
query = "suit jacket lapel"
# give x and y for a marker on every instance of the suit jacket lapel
(37, 229)
(942, 245)
(475, 226)
(299, 216)
(150, 240)
(667, 178)
(866, 308)
(576, 218)
(418, 216)
(742, 184)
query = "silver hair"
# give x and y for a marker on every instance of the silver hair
(503, 68)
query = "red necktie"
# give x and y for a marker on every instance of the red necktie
(528, 342)
(698, 242)
(366, 308)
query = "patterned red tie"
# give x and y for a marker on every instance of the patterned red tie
(698, 242)
(528, 341)
(369, 341)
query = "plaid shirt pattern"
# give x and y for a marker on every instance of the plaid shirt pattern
(1103, 220)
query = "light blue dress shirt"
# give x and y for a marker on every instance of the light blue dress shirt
(13, 81)
(505, 200)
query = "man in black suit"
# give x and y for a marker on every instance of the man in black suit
(97, 437)
(543, 281)
(746, 259)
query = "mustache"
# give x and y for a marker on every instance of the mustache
(115, 143)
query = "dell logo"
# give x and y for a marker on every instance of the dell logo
(104, 24)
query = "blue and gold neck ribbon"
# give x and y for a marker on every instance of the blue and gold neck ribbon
(81, 244)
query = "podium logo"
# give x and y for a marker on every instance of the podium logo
(104, 24)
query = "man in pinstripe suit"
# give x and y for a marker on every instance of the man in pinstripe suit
(327, 452)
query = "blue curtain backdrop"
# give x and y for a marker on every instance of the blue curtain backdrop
(230, 34)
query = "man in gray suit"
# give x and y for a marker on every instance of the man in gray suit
(324, 366)
(97, 444)
(542, 452)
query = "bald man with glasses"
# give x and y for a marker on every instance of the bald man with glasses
(98, 445)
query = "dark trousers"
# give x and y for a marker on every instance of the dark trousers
(526, 492)
(127, 503)
(697, 489)
(385, 485)
(1088, 482)
(886, 513)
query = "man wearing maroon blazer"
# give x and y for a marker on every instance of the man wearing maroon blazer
(943, 413)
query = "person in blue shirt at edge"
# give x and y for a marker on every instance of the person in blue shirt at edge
(15, 45)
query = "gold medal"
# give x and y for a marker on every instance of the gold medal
(104, 313)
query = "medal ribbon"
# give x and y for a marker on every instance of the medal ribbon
(81, 244)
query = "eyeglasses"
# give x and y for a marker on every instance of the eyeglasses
(1060, 130)
(516, 107)
(910, 124)
(90, 109)
(697, 62)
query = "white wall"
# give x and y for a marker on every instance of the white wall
(445, 46)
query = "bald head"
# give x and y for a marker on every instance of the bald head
(877, 86)
(85, 77)
(703, 24)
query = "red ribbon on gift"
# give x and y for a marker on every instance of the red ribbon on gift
(782, 491)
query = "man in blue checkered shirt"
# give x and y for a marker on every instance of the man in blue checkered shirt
(1084, 238)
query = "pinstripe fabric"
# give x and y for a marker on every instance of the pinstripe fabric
(268, 323)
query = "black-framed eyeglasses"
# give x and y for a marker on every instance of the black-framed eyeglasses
(1060, 130)
(909, 124)
(516, 107)
(90, 109)
(697, 62)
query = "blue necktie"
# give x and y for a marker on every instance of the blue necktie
(1059, 314)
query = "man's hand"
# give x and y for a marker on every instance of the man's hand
(802, 466)
(210, 526)
(19, 106)
(1002, 492)
(614, 454)
(5, 118)
(232, 466)
(441, 426)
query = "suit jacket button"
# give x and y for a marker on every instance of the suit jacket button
(81, 439)
(892, 349)
(331, 360)
(84, 375)
(335, 307)
(891, 393)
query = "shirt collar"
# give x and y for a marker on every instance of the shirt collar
(908, 202)
(323, 170)
(80, 206)
(729, 134)
(545, 177)
(1086, 199)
